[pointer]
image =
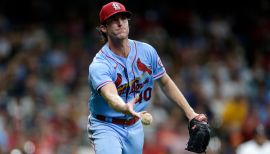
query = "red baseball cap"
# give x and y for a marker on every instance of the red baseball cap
(111, 9)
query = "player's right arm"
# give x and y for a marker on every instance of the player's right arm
(109, 93)
(100, 78)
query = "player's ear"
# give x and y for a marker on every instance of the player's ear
(102, 31)
(102, 28)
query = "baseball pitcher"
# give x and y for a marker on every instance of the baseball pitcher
(121, 79)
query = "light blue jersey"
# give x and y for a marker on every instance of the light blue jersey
(132, 75)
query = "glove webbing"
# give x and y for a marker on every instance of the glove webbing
(195, 126)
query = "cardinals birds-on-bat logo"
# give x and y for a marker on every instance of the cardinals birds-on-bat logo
(118, 80)
(142, 67)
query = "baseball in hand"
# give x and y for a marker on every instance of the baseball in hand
(146, 118)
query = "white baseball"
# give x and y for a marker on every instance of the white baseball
(146, 118)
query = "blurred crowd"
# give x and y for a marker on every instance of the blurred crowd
(220, 63)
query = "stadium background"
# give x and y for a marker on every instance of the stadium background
(216, 51)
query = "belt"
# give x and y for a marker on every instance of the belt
(117, 121)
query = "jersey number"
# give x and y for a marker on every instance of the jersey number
(146, 95)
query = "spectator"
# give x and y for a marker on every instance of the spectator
(258, 145)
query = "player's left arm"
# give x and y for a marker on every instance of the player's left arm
(172, 92)
(168, 86)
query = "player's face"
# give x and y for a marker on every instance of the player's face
(117, 27)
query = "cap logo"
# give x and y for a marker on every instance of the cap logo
(116, 6)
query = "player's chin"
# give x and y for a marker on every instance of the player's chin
(122, 36)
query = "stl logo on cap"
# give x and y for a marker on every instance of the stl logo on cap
(116, 6)
(111, 9)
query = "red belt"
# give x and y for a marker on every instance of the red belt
(117, 121)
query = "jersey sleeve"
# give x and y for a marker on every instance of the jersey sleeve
(158, 68)
(99, 75)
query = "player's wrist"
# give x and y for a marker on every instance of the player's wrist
(191, 115)
(125, 109)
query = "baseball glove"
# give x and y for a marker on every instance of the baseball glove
(199, 134)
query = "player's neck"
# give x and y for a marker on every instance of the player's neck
(120, 48)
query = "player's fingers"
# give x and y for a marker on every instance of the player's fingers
(135, 114)
(132, 112)
(201, 117)
(142, 112)
(131, 105)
